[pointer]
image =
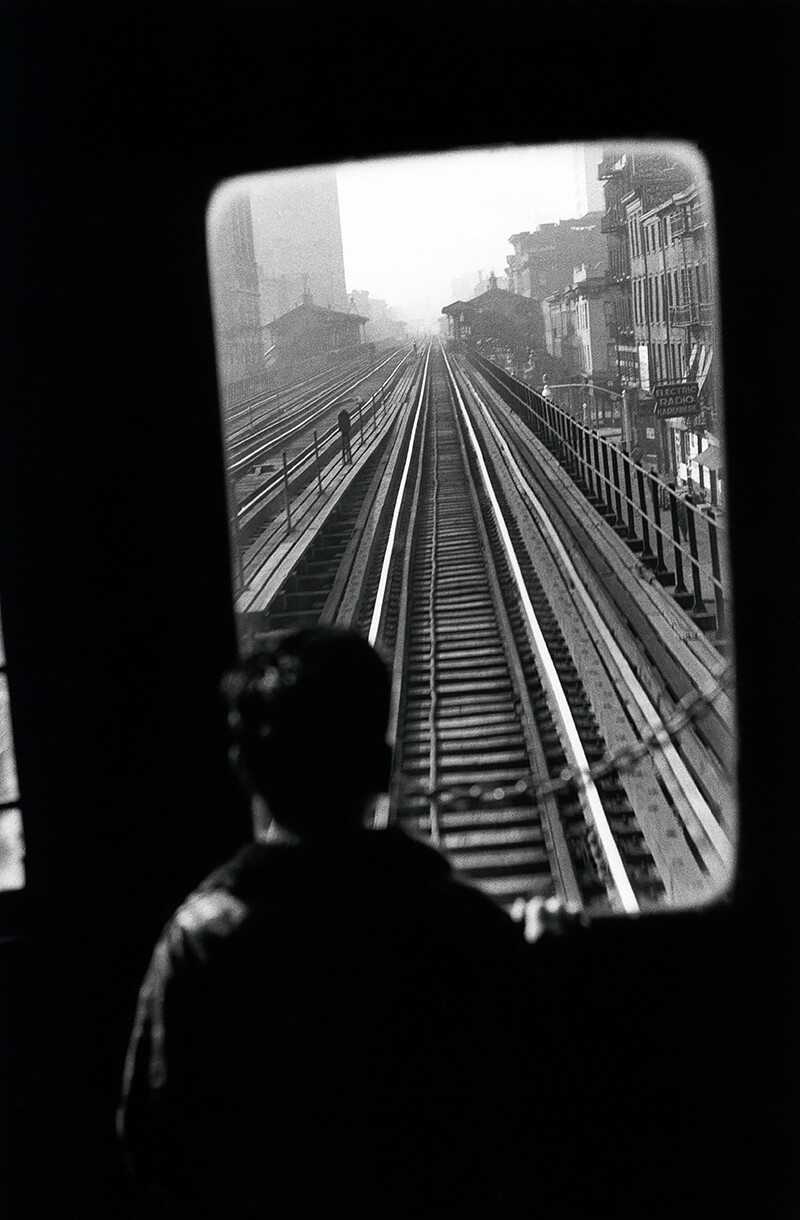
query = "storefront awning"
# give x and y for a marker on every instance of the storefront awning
(711, 457)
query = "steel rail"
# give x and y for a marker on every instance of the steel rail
(259, 400)
(308, 411)
(274, 485)
(676, 771)
(588, 795)
(380, 596)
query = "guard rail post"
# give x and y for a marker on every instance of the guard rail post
(646, 556)
(360, 424)
(598, 479)
(374, 414)
(561, 430)
(620, 525)
(569, 459)
(550, 440)
(634, 541)
(704, 619)
(716, 572)
(681, 594)
(592, 453)
(582, 463)
(662, 572)
(573, 440)
(319, 466)
(286, 494)
(608, 508)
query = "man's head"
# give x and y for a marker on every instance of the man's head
(308, 713)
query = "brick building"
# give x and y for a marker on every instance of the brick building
(673, 303)
(649, 177)
(577, 326)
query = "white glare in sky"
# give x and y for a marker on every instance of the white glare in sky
(413, 225)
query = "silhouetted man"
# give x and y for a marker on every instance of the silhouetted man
(333, 1024)
(343, 419)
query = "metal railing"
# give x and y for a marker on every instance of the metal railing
(692, 313)
(592, 405)
(676, 540)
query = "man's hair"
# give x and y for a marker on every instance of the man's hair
(308, 712)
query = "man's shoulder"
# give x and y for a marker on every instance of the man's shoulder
(211, 912)
(216, 909)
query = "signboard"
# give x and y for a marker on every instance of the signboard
(644, 368)
(676, 398)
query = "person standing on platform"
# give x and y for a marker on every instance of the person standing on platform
(546, 391)
(334, 1023)
(343, 419)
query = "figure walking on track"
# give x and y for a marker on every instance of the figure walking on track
(343, 420)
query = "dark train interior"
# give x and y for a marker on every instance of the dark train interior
(118, 121)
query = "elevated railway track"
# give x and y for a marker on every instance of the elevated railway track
(545, 746)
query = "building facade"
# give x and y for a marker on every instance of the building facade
(234, 280)
(543, 261)
(577, 326)
(663, 324)
(673, 302)
(297, 238)
(633, 182)
(588, 188)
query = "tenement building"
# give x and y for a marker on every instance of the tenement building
(672, 283)
(578, 327)
(543, 261)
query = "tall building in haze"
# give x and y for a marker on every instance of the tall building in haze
(588, 187)
(297, 238)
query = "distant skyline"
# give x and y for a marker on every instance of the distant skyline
(413, 225)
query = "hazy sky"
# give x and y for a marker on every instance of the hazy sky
(411, 226)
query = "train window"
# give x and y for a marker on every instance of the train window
(462, 416)
(12, 869)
